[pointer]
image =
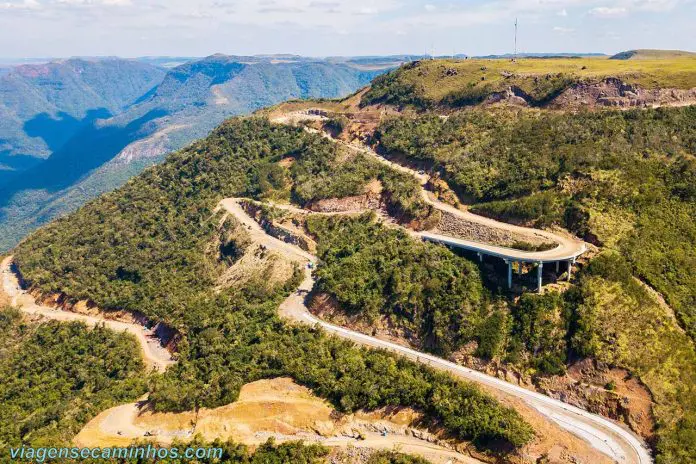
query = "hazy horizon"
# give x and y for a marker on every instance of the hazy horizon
(320, 28)
(39, 59)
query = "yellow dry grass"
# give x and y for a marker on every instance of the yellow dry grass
(260, 266)
(677, 72)
(273, 405)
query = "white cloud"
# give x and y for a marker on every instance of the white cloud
(331, 7)
(608, 12)
(68, 27)
(23, 5)
(368, 11)
(655, 5)
(94, 3)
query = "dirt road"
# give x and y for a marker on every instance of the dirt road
(156, 357)
(607, 437)
(275, 408)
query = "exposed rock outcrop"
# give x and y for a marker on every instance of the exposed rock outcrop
(611, 92)
(468, 230)
(614, 93)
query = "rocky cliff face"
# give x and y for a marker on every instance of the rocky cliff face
(608, 93)
(613, 92)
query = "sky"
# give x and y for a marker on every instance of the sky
(129, 28)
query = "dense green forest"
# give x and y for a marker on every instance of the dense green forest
(373, 270)
(429, 291)
(332, 171)
(623, 179)
(144, 247)
(55, 377)
(294, 452)
(392, 457)
(267, 453)
(608, 315)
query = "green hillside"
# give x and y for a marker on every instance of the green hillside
(147, 247)
(187, 104)
(56, 377)
(615, 178)
(621, 179)
(424, 289)
(457, 83)
(43, 105)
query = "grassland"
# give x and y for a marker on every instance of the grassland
(458, 82)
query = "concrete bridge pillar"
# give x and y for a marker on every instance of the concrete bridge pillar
(570, 268)
(557, 267)
(519, 267)
(480, 256)
(509, 272)
(540, 269)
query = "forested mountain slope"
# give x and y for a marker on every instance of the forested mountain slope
(613, 178)
(156, 246)
(43, 105)
(55, 377)
(622, 180)
(190, 100)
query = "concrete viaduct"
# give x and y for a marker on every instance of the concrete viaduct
(567, 252)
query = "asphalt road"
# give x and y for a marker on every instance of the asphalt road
(568, 248)
(604, 435)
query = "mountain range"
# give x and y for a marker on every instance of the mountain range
(76, 128)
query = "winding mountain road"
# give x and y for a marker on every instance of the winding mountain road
(606, 436)
(568, 248)
(156, 356)
(609, 438)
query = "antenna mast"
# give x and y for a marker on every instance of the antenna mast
(515, 54)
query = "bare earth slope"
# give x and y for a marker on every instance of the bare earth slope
(270, 408)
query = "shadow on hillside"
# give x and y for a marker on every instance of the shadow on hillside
(56, 131)
(86, 151)
(11, 165)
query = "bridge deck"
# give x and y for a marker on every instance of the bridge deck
(560, 253)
